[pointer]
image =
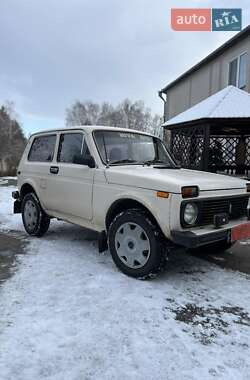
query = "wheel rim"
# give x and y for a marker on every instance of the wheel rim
(132, 245)
(30, 215)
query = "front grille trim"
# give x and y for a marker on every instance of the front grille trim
(209, 207)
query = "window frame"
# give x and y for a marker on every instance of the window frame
(32, 144)
(237, 70)
(242, 87)
(73, 132)
(133, 132)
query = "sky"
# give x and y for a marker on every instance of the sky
(54, 52)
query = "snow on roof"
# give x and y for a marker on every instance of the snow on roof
(231, 102)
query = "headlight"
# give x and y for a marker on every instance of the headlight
(190, 214)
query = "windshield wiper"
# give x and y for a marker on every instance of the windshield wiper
(167, 167)
(151, 162)
(163, 165)
(124, 161)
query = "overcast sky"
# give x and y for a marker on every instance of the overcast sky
(53, 52)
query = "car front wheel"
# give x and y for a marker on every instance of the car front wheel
(35, 221)
(135, 243)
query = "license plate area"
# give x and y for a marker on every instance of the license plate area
(221, 219)
(240, 232)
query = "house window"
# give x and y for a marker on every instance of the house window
(238, 71)
(243, 71)
(233, 68)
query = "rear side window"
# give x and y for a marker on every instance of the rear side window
(73, 149)
(42, 149)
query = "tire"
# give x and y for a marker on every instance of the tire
(136, 244)
(35, 221)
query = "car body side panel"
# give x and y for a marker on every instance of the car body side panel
(104, 195)
(70, 191)
(34, 173)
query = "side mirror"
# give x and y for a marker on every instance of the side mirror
(89, 161)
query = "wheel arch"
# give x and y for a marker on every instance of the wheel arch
(123, 204)
(27, 187)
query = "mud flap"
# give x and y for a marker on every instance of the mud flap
(17, 207)
(102, 242)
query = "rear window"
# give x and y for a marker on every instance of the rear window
(42, 149)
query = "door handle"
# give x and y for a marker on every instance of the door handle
(54, 169)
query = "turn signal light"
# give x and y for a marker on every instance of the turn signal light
(162, 194)
(190, 191)
(248, 187)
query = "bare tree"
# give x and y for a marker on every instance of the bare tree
(86, 113)
(127, 114)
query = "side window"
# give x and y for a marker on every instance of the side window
(243, 71)
(73, 149)
(238, 71)
(42, 149)
(233, 68)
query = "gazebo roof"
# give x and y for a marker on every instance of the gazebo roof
(229, 103)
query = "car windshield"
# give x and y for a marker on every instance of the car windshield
(130, 148)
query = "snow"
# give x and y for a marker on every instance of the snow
(3, 182)
(231, 102)
(68, 313)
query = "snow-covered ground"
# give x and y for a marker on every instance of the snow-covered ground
(68, 313)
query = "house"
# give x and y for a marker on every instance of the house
(227, 65)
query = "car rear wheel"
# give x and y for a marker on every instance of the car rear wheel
(135, 243)
(35, 221)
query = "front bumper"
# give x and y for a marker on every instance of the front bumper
(190, 239)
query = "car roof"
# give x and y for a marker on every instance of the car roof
(89, 129)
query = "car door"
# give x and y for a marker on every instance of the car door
(36, 165)
(70, 186)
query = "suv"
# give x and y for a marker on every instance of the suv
(125, 185)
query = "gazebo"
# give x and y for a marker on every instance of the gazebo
(214, 135)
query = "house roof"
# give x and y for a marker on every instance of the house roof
(238, 37)
(231, 102)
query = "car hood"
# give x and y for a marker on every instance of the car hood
(171, 180)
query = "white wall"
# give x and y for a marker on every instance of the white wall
(206, 81)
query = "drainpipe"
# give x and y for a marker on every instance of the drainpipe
(166, 134)
(160, 93)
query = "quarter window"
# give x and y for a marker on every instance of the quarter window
(238, 71)
(42, 149)
(73, 149)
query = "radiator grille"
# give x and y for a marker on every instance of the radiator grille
(235, 207)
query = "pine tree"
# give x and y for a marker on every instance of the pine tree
(12, 142)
